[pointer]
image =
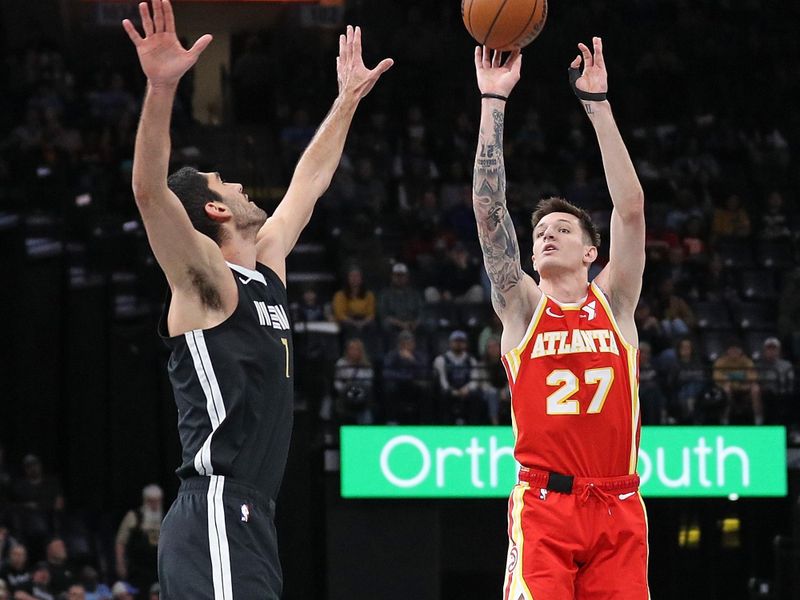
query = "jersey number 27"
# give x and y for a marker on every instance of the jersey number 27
(561, 402)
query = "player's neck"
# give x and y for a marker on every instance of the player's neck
(239, 251)
(565, 287)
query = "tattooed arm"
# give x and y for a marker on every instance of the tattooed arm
(513, 292)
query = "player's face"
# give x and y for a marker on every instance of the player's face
(246, 215)
(559, 244)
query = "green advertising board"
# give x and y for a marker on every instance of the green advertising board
(478, 462)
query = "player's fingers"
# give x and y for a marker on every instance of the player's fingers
(131, 31)
(487, 61)
(357, 41)
(158, 15)
(512, 58)
(200, 45)
(599, 60)
(342, 42)
(478, 58)
(147, 22)
(587, 55)
(496, 58)
(169, 17)
(382, 67)
(576, 64)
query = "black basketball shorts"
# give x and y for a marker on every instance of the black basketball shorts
(218, 542)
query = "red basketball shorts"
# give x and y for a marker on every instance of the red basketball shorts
(590, 544)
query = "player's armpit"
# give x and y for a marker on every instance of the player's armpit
(184, 254)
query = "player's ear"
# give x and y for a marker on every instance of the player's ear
(590, 254)
(217, 211)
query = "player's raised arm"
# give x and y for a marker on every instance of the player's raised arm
(316, 166)
(622, 277)
(181, 251)
(513, 292)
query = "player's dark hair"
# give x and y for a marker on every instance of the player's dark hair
(556, 204)
(192, 190)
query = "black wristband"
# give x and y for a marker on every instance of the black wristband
(574, 75)
(495, 96)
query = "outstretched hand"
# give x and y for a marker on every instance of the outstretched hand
(495, 76)
(594, 79)
(355, 78)
(164, 60)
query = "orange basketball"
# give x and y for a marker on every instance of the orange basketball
(504, 24)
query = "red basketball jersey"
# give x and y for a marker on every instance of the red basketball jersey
(574, 391)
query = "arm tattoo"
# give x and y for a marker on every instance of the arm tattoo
(496, 231)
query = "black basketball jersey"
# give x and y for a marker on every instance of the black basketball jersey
(233, 386)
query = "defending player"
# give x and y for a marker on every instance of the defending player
(576, 524)
(226, 323)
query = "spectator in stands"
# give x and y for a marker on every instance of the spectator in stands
(137, 539)
(154, 592)
(61, 576)
(76, 592)
(400, 305)
(677, 319)
(687, 378)
(776, 376)
(38, 588)
(719, 284)
(493, 329)
(406, 380)
(354, 305)
(736, 374)
(789, 311)
(775, 220)
(458, 379)
(122, 590)
(457, 279)
(93, 588)
(15, 572)
(731, 220)
(7, 541)
(310, 308)
(649, 327)
(354, 382)
(494, 384)
(693, 241)
(4, 591)
(39, 503)
(651, 388)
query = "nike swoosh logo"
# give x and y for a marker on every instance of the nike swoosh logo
(626, 496)
(552, 314)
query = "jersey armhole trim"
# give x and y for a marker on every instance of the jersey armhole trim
(513, 355)
(607, 306)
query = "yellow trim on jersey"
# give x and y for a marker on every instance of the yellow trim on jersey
(632, 357)
(647, 543)
(513, 356)
(633, 360)
(518, 587)
(606, 305)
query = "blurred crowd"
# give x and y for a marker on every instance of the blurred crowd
(391, 316)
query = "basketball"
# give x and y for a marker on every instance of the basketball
(504, 24)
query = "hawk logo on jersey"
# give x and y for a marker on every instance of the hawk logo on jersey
(576, 341)
(272, 316)
(590, 310)
(513, 557)
(549, 312)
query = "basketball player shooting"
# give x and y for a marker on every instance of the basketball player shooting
(576, 523)
(226, 324)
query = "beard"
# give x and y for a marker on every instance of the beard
(249, 217)
(151, 519)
